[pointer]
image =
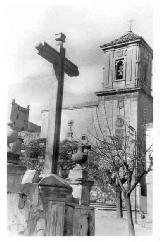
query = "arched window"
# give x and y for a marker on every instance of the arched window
(83, 137)
(119, 69)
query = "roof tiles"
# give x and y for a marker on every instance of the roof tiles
(129, 36)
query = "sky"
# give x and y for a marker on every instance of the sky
(87, 25)
(31, 79)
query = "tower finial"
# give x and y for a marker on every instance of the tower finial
(131, 21)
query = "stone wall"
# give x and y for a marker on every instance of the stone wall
(46, 208)
(24, 206)
(19, 116)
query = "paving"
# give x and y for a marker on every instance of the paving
(106, 224)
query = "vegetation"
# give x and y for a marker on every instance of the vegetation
(121, 161)
(101, 174)
(114, 161)
(34, 154)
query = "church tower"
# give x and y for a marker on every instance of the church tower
(128, 63)
(127, 88)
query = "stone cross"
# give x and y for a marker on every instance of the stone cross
(61, 65)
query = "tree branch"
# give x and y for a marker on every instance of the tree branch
(140, 177)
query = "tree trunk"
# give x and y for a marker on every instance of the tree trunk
(129, 216)
(119, 204)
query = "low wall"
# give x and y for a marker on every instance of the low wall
(46, 208)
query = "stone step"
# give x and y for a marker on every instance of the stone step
(102, 206)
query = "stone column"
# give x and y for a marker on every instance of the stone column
(81, 185)
(78, 177)
(84, 215)
(55, 192)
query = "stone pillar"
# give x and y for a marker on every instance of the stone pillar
(78, 176)
(81, 185)
(84, 215)
(55, 192)
(83, 221)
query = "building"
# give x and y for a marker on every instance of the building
(19, 122)
(33, 128)
(125, 97)
(149, 177)
(19, 117)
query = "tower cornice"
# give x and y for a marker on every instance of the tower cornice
(125, 40)
(121, 91)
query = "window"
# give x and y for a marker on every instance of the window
(145, 71)
(17, 116)
(143, 190)
(83, 137)
(119, 69)
(120, 103)
(119, 122)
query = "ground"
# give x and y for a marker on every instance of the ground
(106, 224)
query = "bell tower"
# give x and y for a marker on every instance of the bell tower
(127, 83)
(126, 93)
(128, 63)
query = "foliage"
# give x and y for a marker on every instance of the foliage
(35, 148)
(121, 158)
(33, 163)
(97, 195)
(35, 153)
(67, 148)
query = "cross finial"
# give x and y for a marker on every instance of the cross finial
(61, 38)
(131, 21)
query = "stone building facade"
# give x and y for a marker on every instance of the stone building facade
(126, 96)
(19, 116)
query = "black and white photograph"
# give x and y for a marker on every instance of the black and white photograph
(79, 156)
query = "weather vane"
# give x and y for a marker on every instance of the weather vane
(61, 38)
(131, 21)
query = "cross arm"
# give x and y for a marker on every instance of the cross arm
(53, 56)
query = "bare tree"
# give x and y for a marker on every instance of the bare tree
(105, 180)
(123, 158)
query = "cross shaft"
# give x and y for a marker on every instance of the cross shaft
(61, 65)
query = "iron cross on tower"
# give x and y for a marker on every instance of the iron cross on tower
(61, 65)
(131, 21)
